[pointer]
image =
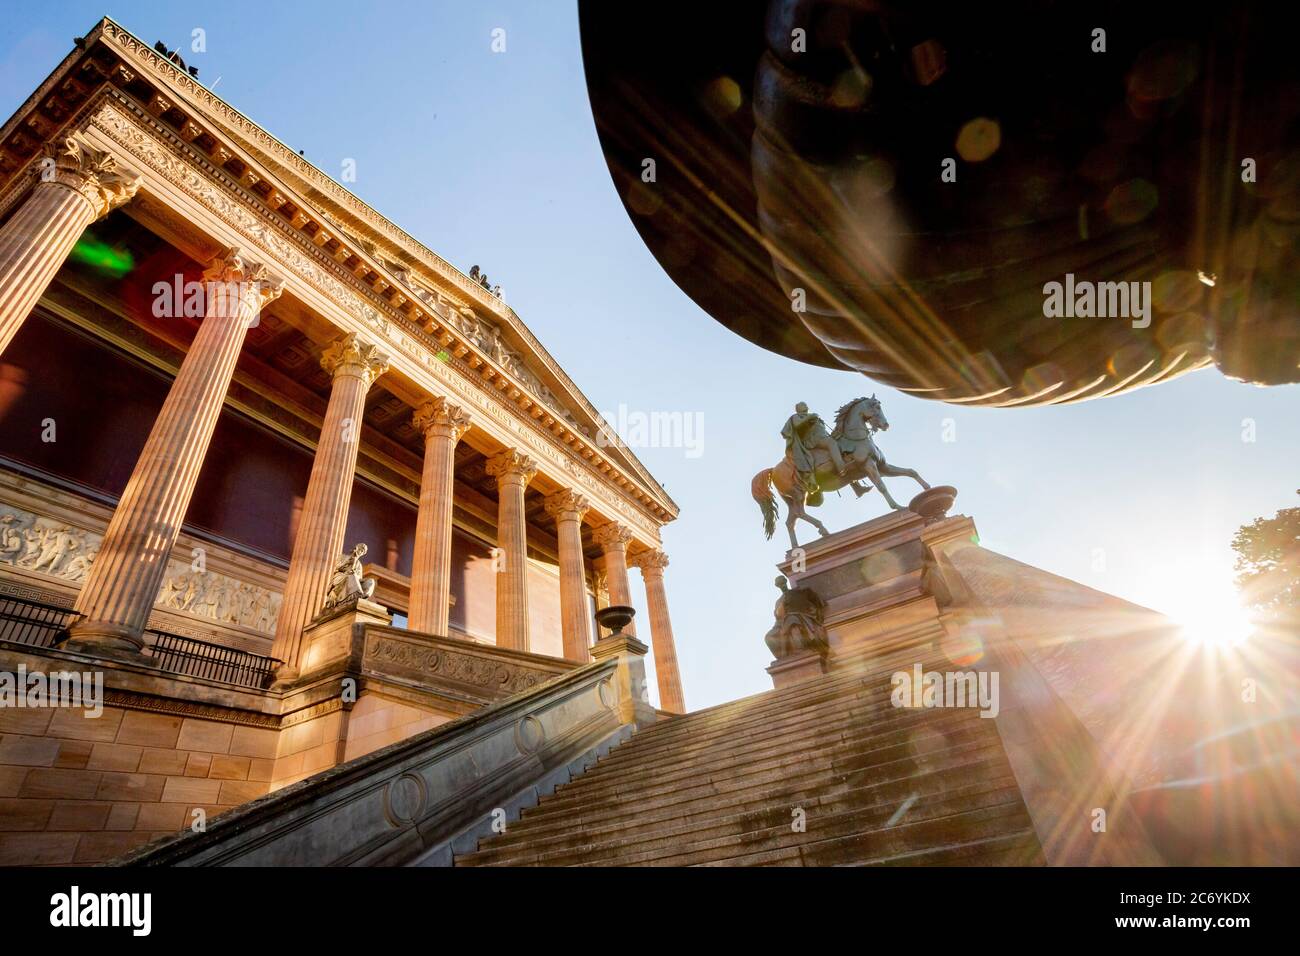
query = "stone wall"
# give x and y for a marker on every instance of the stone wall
(75, 789)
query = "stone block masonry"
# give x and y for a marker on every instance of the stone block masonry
(77, 790)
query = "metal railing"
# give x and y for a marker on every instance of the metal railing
(31, 622)
(195, 658)
(35, 624)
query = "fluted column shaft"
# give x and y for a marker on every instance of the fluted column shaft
(77, 185)
(323, 521)
(123, 581)
(430, 609)
(652, 564)
(513, 471)
(613, 539)
(568, 508)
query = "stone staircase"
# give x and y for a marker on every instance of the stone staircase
(877, 785)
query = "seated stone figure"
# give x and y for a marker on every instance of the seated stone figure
(798, 626)
(348, 585)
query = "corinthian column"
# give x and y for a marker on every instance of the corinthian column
(567, 508)
(513, 471)
(123, 581)
(324, 518)
(652, 564)
(78, 184)
(443, 424)
(613, 539)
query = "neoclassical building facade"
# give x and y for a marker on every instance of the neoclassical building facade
(220, 371)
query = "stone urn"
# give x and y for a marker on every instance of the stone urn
(615, 618)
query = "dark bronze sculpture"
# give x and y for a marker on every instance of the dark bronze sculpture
(890, 186)
(798, 628)
(810, 465)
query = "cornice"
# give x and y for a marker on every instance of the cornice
(148, 142)
(321, 187)
(109, 59)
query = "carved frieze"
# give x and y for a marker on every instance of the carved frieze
(422, 661)
(47, 546)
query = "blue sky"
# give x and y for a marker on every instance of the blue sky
(492, 158)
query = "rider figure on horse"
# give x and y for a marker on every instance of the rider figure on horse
(805, 432)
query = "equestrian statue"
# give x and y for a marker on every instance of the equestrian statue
(817, 461)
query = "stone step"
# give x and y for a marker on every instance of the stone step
(1013, 849)
(873, 841)
(863, 707)
(918, 743)
(826, 688)
(1017, 848)
(703, 737)
(850, 772)
(806, 790)
(717, 787)
(756, 816)
(775, 748)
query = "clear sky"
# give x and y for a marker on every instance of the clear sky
(492, 158)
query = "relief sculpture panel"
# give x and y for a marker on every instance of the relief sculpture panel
(47, 546)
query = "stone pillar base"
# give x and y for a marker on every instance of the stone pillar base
(797, 669)
(105, 639)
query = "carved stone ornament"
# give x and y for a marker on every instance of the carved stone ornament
(612, 536)
(249, 283)
(350, 356)
(439, 416)
(650, 562)
(93, 173)
(36, 543)
(566, 504)
(511, 465)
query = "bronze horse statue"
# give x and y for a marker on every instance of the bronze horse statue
(855, 422)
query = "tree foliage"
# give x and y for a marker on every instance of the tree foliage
(1268, 562)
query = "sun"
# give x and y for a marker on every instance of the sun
(1215, 624)
(1198, 593)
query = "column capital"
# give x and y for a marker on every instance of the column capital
(566, 504)
(350, 356)
(440, 417)
(612, 536)
(651, 563)
(511, 465)
(91, 173)
(236, 283)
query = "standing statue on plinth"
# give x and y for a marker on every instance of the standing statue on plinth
(348, 585)
(816, 462)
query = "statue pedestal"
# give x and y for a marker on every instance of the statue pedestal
(337, 633)
(797, 668)
(876, 580)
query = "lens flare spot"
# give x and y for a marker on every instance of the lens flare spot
(979, 139)
(722, 96)
(102, 257)
(965, 649)
(880, 567)
(1131, 202)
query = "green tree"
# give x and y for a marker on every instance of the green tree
(1268, 563)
